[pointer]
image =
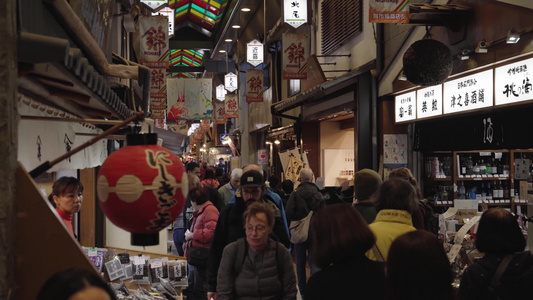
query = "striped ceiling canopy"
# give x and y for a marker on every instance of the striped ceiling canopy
(206, 13)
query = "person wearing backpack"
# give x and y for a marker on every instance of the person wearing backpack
(229, 226)
(306, 200)
(256, 267)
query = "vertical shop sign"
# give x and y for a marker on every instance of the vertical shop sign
(429, 102)
(230, 82)
(231, 106)
(469, 93)
(154, 5)
(254, 53)
(295, 55)
(389, 11)
(169, 13)
(220, 113)
(295, 12)
(513, 82)
(158, 93)
(405, 107)
(154, 41)
(254, 85)
(189, 99)
(221, 92)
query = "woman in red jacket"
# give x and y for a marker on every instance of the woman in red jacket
(205, 217)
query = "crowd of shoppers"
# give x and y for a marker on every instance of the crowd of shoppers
(375, 248)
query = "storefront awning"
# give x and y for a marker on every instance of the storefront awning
(321, 91)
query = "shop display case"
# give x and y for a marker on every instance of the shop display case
(485, 176)
(521, 179)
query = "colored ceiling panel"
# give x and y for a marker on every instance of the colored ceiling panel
(189, 58)
(206, 13)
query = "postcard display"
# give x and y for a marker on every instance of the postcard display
(139, 276)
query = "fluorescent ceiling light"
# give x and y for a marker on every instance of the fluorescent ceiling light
(236, 26)
(228, 40)
(222, 51)
(245, 9)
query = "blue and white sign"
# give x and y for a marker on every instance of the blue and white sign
(513, 82)
(223, 137)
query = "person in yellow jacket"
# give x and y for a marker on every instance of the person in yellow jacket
(395, 201)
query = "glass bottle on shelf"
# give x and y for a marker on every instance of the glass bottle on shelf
(483, 193)
(506, 192)
(488, 168)
(482, 167)
(469, 165)
(500, 190)
(462, 163)
(461, 191)
(435, 169)
(476, 169)
(489, 193)
(495, 192)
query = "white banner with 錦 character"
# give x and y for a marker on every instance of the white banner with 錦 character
(295, 54)
(154, 41)
(254, 85)
(189, 99)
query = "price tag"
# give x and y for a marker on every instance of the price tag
(485, 154)
(156, 263)
(92, 252)
(497, 155)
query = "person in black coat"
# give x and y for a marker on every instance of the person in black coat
(230, 223)
(341, 238)
(499, 236)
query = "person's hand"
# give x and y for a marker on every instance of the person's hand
(211, 295)
(188, 235)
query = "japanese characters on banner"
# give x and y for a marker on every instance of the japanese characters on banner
(405, 107)
(154, 5)
(389, 11)
(154, 41)
(469, 92)
(189, 99)
(221, 92)
(220, 112)
(295, 12)
(513, 82)
(295, 55)
(232, 106)
(230, 82)
(254, 85)
(429, 102)
(155, 55)
(254, 53)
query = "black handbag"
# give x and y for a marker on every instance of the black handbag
(197, 256)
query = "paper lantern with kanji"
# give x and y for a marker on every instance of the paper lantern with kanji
(142, 188)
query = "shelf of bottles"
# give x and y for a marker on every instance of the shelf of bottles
(438, 184)
(484, 176)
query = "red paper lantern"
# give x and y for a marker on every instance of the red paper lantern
(142, 188)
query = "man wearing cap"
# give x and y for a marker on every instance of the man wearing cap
(366, 183)
(230, 223)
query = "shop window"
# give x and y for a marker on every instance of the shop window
(294, 87)
(341, 20)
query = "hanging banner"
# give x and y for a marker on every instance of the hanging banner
(158, 90)
(293, 168)
(389, 11)
(295, 54)
(221, 92)
(220, 113)
(154, 41)
(262, 157)
(230, 82)
(254, 85)
(169, 13)
(154, 5)
(231, 106)
(295, 12)
(254, 53)
(189, 99)
(180, 127)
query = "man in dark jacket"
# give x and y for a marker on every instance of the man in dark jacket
(230, 223)
(305, 199)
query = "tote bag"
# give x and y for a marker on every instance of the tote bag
(299, 230)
